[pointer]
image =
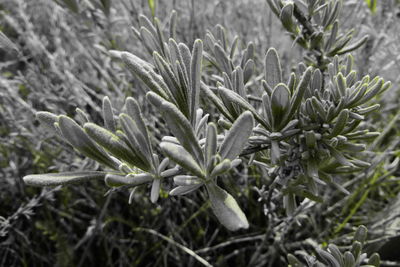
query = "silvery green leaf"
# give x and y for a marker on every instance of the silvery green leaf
(114, 180)
(183, 190)
(374, 260)
(237, 136)
(298, 95)
(367, 110)
(108, 114)
(172, 82)
(47, 119)
(280, 104)
(353, 46)
(289, 202)
(332, 38)
(226, 208)
(185, 58)
(372, 91)
(82, 117)
(172, 24)
(136, 139)
(293, 261)
(149, 40)
(182, 130)
(328, 258)
(154, 99)
(349, 260)
(341, 84)
(286, 17)
(272, 65)
(77, 137)
(224, 124)
(155, 190)
(160, 37)
(318, 106)
(234, 46)
(238, 82)
(163, 165)
(134, 112)
(361, 234)
(331, 16)
(222, 59)
(210, 148)
(248, 70)
(316, 82)
(233, 97)
(146, 23)
(216, 101)
(356, 249)
(274, 7)
(340, 157)
(311, 140)
(51, 179)
(195, 76)
(144, 72)
(357, 94)
(113, 144)
(180, 156)
(341, 122)
(185, 180)
(334, 250)
(221, 168)
(266, 100)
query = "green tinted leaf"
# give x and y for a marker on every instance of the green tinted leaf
(280, 104)
(273, 71)
(195, 75)
(115, 145)
(183, 190)
(237, 136)
(180, 156)
(182, 130)
(77, 137)
(226, 208)
(108, 114)
(114, 180)
(51, 179)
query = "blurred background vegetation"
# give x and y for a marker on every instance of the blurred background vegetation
(59, 62)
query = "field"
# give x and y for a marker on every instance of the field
(199, 133)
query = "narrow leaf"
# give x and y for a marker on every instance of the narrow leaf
(51, 179)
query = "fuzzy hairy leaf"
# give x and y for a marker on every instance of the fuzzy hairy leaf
(226, 208)
(182, 130)
(272, 65)
(78, 138)
(51, 179)
(237, 136)
(179, 155)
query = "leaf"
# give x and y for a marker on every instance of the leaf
(115, 145)
(114, 180)
(226, 208)
(280, 104)
(182, 130)
(195, 75)
(133, 110)
(272, 65)
(136, 139)
(141, 68)
(185, 180)
(340, 123)
(210, 148)
(47, 120)
(221, 168)
(108, 114)
(155, 190)
(298, 95)
(328, 258)
(183, 190)
(180, 156)
(286, 17)
(237, 136)
(77, 137)
(51, 179)
(7, 44)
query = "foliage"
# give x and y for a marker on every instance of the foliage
(295, 140)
